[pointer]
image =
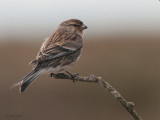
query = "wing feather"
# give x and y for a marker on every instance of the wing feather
(58, 46)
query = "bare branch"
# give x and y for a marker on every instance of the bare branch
(129, 106)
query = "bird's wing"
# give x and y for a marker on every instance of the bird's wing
(58, 48)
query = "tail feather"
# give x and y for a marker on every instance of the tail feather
(26, 80)
(25, 84)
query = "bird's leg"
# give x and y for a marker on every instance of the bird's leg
(74, 75)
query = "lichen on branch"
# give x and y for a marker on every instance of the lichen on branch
(129, 106)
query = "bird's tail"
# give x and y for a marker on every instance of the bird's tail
(26, 80)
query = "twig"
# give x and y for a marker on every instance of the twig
(129, 106)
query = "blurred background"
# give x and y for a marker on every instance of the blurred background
(122, 45)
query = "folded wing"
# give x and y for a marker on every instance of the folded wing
(56, 47)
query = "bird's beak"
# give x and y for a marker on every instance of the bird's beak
(84, 27)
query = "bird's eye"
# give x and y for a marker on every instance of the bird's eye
(75, 25)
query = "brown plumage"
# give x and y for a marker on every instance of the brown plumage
(58, 52)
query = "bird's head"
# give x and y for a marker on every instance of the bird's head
(73, 25)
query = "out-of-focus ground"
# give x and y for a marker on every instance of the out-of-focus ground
(130, 64)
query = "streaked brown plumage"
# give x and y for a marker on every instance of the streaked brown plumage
(58, 52)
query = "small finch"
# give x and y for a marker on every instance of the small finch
(58, 52)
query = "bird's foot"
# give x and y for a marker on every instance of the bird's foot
(64, 76)
(73, 76)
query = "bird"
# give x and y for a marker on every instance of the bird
(57, 53)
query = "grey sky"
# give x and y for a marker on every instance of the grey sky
(102, 16)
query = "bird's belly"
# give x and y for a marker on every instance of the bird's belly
(61, 68)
